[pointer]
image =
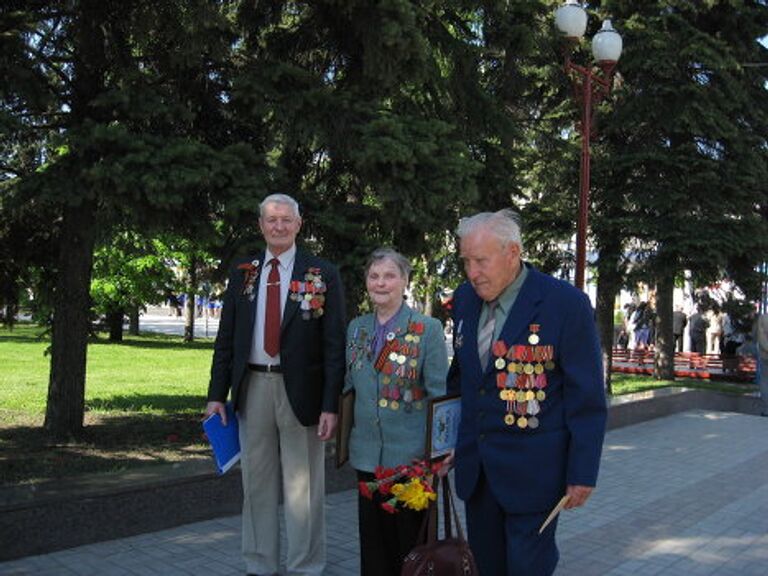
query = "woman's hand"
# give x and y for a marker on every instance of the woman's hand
(446, 464)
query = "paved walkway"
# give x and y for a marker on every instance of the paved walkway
(683, 495)
(159, 320)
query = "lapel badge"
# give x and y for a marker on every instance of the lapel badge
(458, 337)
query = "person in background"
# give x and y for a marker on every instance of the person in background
(396, 362)
(533, 412)
(698, 332)
(714, 332)
(642, 320)
(762, 359)
(679, 322)
(279, 353)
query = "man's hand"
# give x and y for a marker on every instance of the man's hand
(578, 495)
(216, 408)
(326, 428)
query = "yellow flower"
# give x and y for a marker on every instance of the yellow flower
(413, 495)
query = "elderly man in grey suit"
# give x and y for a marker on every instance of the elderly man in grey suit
(280, 353)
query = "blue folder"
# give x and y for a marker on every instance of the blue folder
(224, 440)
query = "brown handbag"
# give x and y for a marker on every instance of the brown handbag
(450, 556)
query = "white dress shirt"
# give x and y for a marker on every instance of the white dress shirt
(287, 258)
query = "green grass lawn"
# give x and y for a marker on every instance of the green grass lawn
(151, 374)
(144, 400)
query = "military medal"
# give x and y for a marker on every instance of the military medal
(533, 337)
(528, 368)
(522, 377)
(458, 336)
(398, 361)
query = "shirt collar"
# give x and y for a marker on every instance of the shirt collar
(507, 298)
(286, 258)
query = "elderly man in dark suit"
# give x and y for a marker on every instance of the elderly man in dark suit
(527, 363)
(280, 352)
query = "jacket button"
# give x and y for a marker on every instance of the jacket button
(482, 391)
(482, 437)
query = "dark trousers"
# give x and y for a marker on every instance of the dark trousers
(678, 342)
(508, 544)
(385, 539)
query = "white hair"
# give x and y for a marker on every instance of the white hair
(504, 224)
(280, 199)
(400, 261)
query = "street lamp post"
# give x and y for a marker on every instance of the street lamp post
(590, 86)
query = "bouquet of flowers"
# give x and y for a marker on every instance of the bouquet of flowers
(403, 486)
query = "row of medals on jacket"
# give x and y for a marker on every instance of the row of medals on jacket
(521, 378)
(398, 360)
(401, 368)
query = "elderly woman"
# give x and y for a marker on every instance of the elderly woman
(396, 362)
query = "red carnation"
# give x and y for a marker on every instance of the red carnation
(365, 490)
(390, 505)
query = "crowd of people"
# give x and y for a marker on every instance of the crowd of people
(526, 365)
(710, 329)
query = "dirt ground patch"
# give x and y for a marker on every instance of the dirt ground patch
(112, 443)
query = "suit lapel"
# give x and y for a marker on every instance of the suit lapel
(469, 329)
(523, 311)
(403, 318)
(400, 328)
(300, 265)
(251, 308)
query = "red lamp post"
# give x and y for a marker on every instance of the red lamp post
(590, 86)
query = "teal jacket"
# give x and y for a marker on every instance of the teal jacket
(392, 392)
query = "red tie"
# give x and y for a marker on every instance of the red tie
(272, 316)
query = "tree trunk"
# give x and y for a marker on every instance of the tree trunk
(189, 317)
(608, 281)
(9, 317)
(72, 301)
(429, 296)
(133, 321)
(428, 304)
(664, 359)
(115, 323)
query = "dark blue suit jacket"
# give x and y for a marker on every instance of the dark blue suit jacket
(528, 469)
(311, 350)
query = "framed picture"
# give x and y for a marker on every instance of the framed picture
(443, 425)
(344, 426)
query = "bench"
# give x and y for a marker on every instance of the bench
(688, 365)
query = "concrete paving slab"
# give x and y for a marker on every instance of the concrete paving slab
(685, 494)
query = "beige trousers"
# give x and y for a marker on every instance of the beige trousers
(274, 447)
